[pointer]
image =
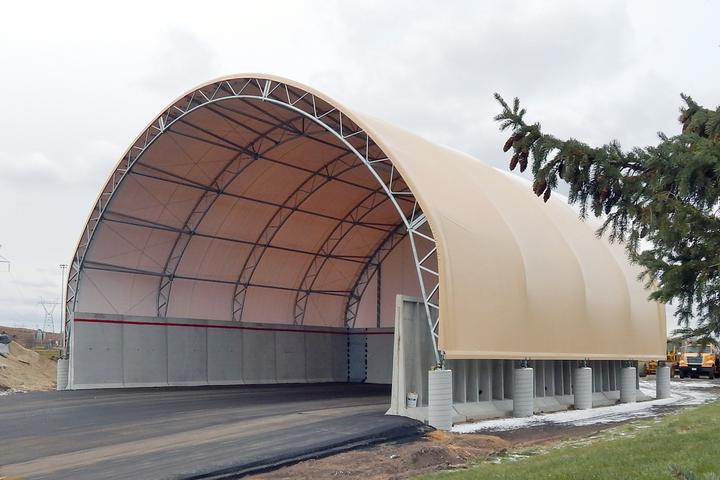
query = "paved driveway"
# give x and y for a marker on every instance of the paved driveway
(204, 432)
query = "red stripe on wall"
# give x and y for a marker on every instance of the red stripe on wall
(227, 327)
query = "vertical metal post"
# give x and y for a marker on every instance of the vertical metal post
(379, 295)
(62, 266)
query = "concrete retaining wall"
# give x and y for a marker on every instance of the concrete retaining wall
(110, 351)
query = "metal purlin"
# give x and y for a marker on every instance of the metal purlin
(287, 96)
(361, 210)
(299, 196)
(362, 280)
(207, 199)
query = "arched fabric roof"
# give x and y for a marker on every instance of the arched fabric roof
(254, 198)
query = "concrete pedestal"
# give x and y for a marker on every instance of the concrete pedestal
(628, 388)
(662, 382)
(62, 373)
(582, 388)
(440, 399)
(523, 392)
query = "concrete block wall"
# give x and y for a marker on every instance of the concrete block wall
(379, 356)
(109, 351)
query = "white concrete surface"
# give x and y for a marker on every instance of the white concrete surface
(440, 399)
(662, 382)
(628, 390)
(582, 388)
(61, 374)
(523, 392)
(126, 351)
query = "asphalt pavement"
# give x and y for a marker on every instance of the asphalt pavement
(198, 432)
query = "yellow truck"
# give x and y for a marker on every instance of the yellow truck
(671, 360)
(697, 360)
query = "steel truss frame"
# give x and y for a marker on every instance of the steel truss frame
(360, 211)
(319, 112)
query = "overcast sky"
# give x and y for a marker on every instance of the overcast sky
(80, 80)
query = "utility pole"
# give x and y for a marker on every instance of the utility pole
(63, 267)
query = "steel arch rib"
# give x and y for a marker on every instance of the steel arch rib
(267, 90)
(362, 280)
(302, 193)
(359, 211)
(207, 199)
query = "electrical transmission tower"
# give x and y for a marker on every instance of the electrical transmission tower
(49, 308)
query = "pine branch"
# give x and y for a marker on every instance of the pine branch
(661, 201)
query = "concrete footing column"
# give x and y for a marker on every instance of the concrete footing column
(62, 373)
(440, 399)
(662, 382)
(582, 388)
(628, 389)
(523, 392)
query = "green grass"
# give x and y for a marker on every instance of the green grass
(643, 449)
(51, 353)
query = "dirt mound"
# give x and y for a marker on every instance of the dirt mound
(433, 455)
(26, 370)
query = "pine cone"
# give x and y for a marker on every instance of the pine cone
(539, 186)
(561, 169)
(523, 164)
(514, 161)
(509, 143)
(604, 194)
(546, 196)
(515, 137)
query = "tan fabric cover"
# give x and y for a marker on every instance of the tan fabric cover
(519, 278)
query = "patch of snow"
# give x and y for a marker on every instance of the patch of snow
(683, 393)
(10, 392)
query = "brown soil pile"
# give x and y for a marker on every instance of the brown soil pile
(26, 370)
(435, 451)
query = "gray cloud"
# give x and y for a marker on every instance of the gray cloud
(85, 167)
(182, 61)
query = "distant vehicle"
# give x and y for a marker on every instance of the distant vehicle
(4, 344)
(697, 360)
(672, 358)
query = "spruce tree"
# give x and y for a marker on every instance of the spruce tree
(661, 201)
